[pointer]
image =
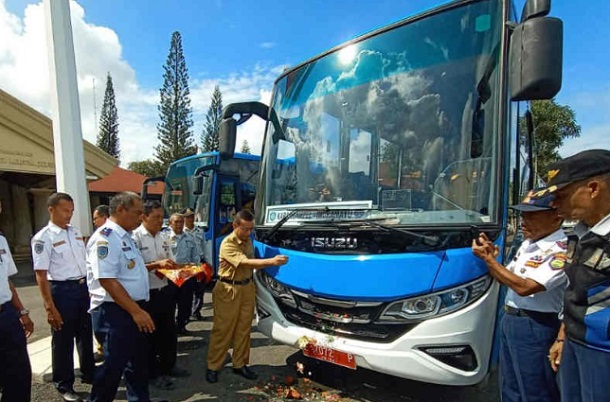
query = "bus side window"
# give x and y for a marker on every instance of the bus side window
(227, 208)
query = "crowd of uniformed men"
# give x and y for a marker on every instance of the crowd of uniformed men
(557, 308)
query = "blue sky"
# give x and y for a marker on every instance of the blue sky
(243, 45)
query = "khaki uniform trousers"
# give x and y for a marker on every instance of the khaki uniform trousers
(233, 314)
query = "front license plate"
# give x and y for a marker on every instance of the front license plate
(330, 355)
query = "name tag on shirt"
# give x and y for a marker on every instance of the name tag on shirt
(143, 248)
(59, 243)
(126, 248)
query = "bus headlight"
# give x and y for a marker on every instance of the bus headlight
(279, 291)
(436, 304)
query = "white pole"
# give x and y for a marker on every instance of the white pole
(67, 131)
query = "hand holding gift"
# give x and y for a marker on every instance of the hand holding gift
(184, 272)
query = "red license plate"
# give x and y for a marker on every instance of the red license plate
(330, 355)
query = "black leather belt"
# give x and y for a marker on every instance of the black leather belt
(80, 281)
(231, 282)
(521, 312)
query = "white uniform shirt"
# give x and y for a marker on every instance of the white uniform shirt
(542, 261)
(7, 268)
(153, 249)
(112, 253)
(60, 252)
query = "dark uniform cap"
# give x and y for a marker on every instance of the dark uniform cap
(532, 204)
(582, 166)
(187, 212)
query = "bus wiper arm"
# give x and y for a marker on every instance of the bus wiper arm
(289, 215)
(428, 240)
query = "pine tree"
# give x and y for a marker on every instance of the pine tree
(211, 131)
(108, 136)
(174, 131)
(245, 147)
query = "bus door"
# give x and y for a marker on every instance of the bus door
(228, 203)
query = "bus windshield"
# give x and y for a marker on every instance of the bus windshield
(403, 124)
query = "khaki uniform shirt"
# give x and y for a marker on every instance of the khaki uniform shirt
(232, 252)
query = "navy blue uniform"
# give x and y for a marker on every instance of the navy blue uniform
(111, 253)
(530, 324)
(15, 371)
(585, 362)
(61, 253)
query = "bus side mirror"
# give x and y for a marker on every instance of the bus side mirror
(144, 192)
(536, 59)
(227, 138)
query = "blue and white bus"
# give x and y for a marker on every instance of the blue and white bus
(403, 145)
(215, 189)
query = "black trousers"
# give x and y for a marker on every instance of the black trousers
(125, 353)
(71, 299)
(164, 341)
(198, 292)
(15, 370)
(185, 301)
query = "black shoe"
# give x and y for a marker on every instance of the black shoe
(179, 372)
(183, 331)
(211, 376)
(198, 317)
(246, 372)
(70, 396)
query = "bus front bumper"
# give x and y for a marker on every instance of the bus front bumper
(415, 355)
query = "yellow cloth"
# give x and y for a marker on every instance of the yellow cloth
(233, 306)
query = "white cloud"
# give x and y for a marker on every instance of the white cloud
(268, 45)
(24, 74)
(592, 111)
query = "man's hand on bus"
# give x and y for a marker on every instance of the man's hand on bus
(484, 248)
(280, 260)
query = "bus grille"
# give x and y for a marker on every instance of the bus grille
(354, 322)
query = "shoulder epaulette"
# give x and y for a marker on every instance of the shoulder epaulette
(106, 231)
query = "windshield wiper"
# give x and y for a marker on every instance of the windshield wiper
(289, 215)
(428, 240)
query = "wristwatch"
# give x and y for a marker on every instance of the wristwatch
(24, 311)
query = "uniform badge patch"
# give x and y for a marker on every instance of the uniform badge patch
(131, 264)
(106, 232)
(102, 251)
(557, 263)
(533, 263)
(39, 247)
(562, 244)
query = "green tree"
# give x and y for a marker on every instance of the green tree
(108, 136)
(553, 123)
(245, 147)
(148, 168)
(174, 130)
(211, 131)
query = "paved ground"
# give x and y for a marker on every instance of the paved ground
(275, 364)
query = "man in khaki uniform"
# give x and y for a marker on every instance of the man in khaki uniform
(234, 297)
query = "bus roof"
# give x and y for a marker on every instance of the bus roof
(216, 154)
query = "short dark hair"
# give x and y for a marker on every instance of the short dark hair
(125, 199)
(55, 198)
(103, 210)
(243, 215)
(151, 205)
